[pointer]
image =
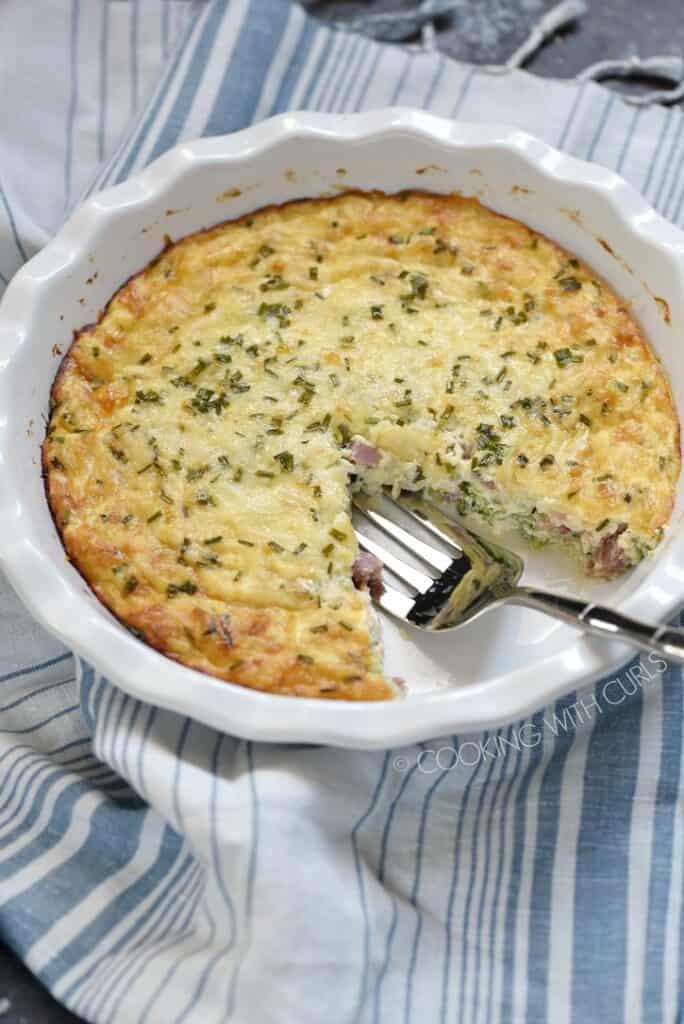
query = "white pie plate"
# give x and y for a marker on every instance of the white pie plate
(499, 668)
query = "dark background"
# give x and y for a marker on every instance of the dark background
(486, 31)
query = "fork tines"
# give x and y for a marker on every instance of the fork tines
(426, 589)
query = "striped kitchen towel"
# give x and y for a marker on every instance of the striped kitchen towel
(152, 870)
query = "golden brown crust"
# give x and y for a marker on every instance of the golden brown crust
(200, 430)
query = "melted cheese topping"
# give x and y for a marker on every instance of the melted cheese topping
(198, 456)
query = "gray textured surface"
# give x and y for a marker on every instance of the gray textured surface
(488, 31)
(484, 31)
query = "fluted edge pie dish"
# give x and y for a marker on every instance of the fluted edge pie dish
(524, 661)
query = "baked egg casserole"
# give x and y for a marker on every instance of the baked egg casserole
(205, 433)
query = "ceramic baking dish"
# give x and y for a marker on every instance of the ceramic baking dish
(504, 665)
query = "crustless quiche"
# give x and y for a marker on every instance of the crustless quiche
(205, 433)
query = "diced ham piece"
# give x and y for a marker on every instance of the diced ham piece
(365, 455)
(609, 558)
(555, 523)
(367, 573)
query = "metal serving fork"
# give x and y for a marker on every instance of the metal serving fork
(462, 576)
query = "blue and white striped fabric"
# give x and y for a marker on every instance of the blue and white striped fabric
(154, 871)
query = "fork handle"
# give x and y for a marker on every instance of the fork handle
(605, 622)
